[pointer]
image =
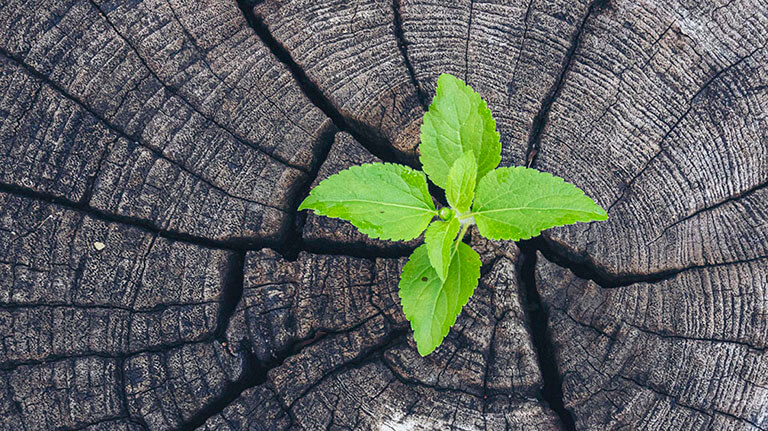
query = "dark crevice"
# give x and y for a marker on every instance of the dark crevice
(90, 186)
(292, 241)
(232, 291)
(537, 127)
(369, 355)
(526, 18)
(402, 44)
(118, 131)
(370, 138)
(466, 45)
(120, 387)
(254, 374)
(583, 267)
(487, 267)
(233, 244)
(537, 318)
(395, 250)
(173, 90)
(288, 248)
(491, 358)
(730, 199)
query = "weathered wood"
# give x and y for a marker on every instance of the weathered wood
(334, 326)
(191, 105)
(256, 409)
(662, 119)
(82, 299)
(685, 353)
(350, 51)
(328, 233)
(154, 274)
(510, 52)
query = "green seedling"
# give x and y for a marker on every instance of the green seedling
(460, 152)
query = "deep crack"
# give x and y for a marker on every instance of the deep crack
(320, 246)
(232, 292)
(288, 248)
(254, 374)
(138, 223)
(370, 138)
(540, 121)
(537, 317)
(583, 266)
(402, 44)
(293, 241)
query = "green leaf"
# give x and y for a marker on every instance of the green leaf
(518, 203)
(461, 182)
(432, 305)
(383, 200)
(458, 120)
(439, 238)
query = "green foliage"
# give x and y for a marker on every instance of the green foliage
(518, 203)
(457, 121)
(460, 151)
(439, 239)
(461, 182)
(382, 200)
(432, 304)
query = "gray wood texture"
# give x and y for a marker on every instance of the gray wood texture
(155, 275)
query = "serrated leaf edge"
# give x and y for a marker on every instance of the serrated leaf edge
(570, 222)
(432, 210)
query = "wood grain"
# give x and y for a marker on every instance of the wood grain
(155, 275)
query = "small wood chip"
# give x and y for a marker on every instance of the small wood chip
(99, 246)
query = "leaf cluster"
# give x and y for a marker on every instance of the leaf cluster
(460, 152)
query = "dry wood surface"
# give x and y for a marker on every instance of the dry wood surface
(155, 275)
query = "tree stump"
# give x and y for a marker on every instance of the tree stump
(154, 272)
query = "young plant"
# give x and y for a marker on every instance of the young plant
(460, 151)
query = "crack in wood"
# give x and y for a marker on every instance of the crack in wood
(466, 44)
(585, 267)
(691, 102)
(146, 225)
(173, 90)
(288, 248)
(232, 292)
(541, 118)
(255, 372)
(676, 401)
(329, 247)
(734, 198)
(119, 132)
(402, 45)
(367, 136)
(538, 320)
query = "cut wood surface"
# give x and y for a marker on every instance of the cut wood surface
(155, 275)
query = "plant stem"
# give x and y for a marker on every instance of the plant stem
(465, 216)
(463, 232)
